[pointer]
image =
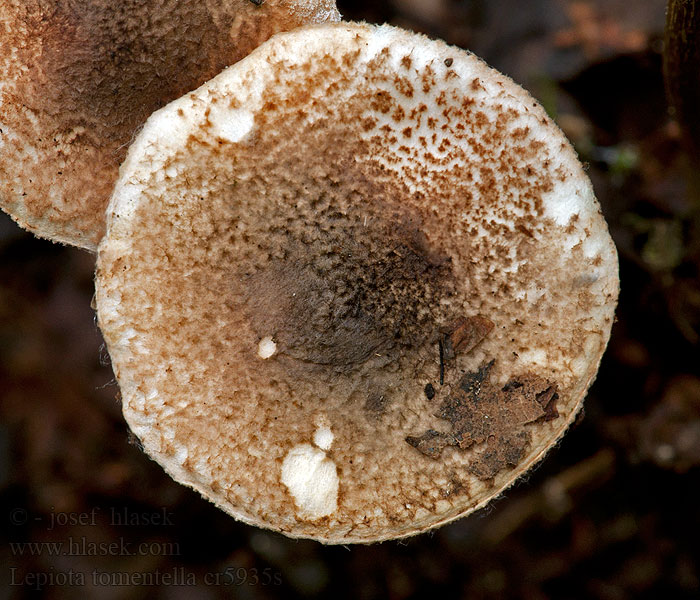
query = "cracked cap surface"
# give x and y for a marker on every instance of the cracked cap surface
(354, 286)
(81, 77)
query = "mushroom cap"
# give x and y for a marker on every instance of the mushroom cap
(355, 285)
(79, 78)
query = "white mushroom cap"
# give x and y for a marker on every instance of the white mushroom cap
(388, 211)
(80, 78)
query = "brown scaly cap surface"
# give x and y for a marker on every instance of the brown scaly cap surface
(79, 77)
(354, 286)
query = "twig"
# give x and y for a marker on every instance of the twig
(682, 69)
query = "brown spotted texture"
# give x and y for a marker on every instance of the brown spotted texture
(81, 76)
(360, 195)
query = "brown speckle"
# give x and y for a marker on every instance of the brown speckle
(382, 102)
(399, 114)
(524, 230)
(369, 123)
(404, 86)
(428, 79)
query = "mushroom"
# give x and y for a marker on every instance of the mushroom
(354, 286)
(80, 78)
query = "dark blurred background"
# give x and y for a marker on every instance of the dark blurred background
(612, 513)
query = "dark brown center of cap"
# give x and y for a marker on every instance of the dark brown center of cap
(347, 282)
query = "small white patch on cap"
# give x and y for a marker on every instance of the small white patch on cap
(536, 356)
(231, 125)
(312, 479)
(266, 347)
(323, 437)
(181, 454)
